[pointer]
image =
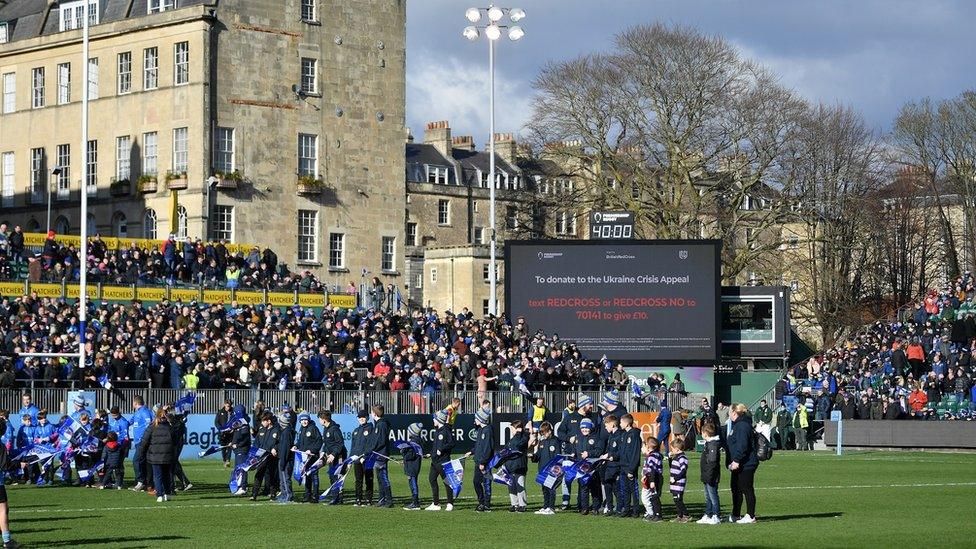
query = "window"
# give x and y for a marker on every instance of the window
(9, 185)
(443, 212)
(437, 174)
(123, 152)
(9, 92)
(120, 225)
(61, 225)
(156, 6)
(150, 152)
(223, 223)
(308, 10)
(181, 222)
(4, 32)
(635, 190)
(63, 155)
(337, 253)
(484, 307)
(92, 167)
(93, 78)
(38, 176)
(91, 225)
(565, 223)
(794, 242)
(181, 64)
(511, 218)
(181, 150)
(486, 269)
(388, 256)
(433, 275)
(149, 224)
(308, 153)
(73, 15)
(125, 72)
(224, 150)
(411, 234)
(308, 235)
(150, 68)
(479, 235)
(64, 83)
(37, 87)
(309, 75)
(419, 281)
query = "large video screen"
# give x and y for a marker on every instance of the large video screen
(649, 302)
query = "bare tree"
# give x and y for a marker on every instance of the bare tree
(677, 127)
(832, 170)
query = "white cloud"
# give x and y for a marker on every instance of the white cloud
(442, 87)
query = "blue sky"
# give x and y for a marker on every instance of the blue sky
(871, 54)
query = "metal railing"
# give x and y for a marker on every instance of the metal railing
(210, 401)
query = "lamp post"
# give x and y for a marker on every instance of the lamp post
(492, 31)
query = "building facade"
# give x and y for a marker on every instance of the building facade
(274, 122)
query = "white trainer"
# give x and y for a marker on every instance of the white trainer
(160, 499)
(746, 520)
(433, 507)
(449, 507)
(704, 520)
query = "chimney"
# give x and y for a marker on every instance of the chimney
(438, 134)
(463, 142)
(505, 147)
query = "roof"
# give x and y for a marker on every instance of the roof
(27, 16)
(469, 162)
(422, 153)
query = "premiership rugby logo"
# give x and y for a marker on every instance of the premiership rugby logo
(682, 254)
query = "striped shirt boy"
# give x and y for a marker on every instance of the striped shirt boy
(679, 473)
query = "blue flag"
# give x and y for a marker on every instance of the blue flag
(299, 466)
(104, 381)
(210, 451)
(636, 389)
(453, 475)
(311, 468)
(501, 476)
(84, 475)
(587, 468)
(339, 467)
(501, 456)
(551, 472)
(233, 423)
(254, 458)
(66, 429)
(185, 404)
(404, 444)
(336, 488)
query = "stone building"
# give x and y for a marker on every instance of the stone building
(448, 208)
(277, 122)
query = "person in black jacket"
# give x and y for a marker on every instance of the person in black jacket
(568, 428)
(378, 445)
(219, 421)
(286, 462)
(157, 445)
(179, 440)
(744, 463)
(629, 456)
(545, 447)
(240, 443)
(611, 469)
(334, 448)
(411, 464)
(589, 445)
(484, 446)
(517, 465)
(361, 439)
(440, 453)
(308, 440)
(711, 472)
(266, 439)
(112, 455)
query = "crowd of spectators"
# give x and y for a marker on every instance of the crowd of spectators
(174, 262)
(919, 366)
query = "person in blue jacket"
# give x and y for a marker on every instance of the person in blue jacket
(517, 466)
(334, 448)
(663, 427)
(378, 444)
(44, 434)
(240, 443)
(120, 426)
(361, 438)
(440, 453)
(308, 440)
(484, 447)
(628, 499)
(28, 408)
(743, 465)
(25, 438)
(286, 462)
(589, 445)
(411, 464)
(141, 418)
(79, 404)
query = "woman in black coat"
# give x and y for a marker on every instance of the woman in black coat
(158, 446)
(743, 464)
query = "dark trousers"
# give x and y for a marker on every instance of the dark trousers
(383, 477)
(163, 479)
(609, 479)
(590, 496)
(742, 482)
(225, 454)
(679, 503)
(548, 498)
(625, 493)
(414, 490)
(263, 475)
(482, 487)
(114, 477)
(363, 474)
(436, 473)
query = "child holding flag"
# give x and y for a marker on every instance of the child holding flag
(309, 441)
(484, 446)
(440, 454)
(411, 463)
(516, 466)
(545, 448)
(334, 449)
(360, 451)
(589, 445)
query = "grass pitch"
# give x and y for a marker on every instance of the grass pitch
(808, 499)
